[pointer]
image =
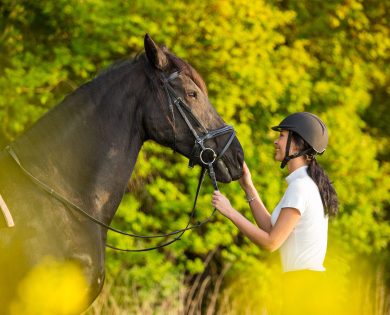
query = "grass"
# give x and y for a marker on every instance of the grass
(250, 293)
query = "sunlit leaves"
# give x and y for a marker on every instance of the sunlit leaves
(261, 60)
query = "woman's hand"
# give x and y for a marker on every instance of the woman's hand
(246, 178)
(222, 204)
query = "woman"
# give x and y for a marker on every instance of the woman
(298, 225)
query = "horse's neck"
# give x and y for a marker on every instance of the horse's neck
(85, 148)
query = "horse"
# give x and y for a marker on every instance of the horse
(84, 149)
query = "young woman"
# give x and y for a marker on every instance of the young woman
(298, 225)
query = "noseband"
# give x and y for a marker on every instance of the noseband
(200, 151)
(206, 155)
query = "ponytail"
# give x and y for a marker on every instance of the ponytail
(327, 191)
(318, 175)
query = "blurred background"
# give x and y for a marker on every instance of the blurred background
(261, 60)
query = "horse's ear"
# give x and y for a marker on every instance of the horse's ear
(155, 54)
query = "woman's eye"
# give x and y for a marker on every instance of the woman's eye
(192, 94)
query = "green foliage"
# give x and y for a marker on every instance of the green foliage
(261, 60)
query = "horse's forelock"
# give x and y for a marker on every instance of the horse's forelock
(188, 70)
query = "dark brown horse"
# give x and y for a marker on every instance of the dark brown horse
(85, 149)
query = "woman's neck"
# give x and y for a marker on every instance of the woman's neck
(296, 163)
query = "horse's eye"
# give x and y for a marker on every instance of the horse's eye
(192, 94)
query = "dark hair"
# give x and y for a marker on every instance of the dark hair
(317, 173)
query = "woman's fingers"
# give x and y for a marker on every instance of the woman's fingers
(216, 195)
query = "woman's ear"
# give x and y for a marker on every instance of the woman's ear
(155, 54)
(294, 146)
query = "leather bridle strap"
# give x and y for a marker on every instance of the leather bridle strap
(176, 101)
(183, 108)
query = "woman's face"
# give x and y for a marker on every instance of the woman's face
(280, 146)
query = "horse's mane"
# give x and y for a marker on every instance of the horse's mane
(99, 90)
(125, 65)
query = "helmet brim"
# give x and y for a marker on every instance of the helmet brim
(282, 127)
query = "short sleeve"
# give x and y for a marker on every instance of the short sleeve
(295, 197)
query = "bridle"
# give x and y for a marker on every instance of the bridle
(206, 155)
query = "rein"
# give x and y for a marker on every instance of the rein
(207, 162)
(72, 205)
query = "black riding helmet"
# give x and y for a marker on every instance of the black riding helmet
(310, 128)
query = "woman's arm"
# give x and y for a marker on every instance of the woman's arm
(259, 211)
(272, 240)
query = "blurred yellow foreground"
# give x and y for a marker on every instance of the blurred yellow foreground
(51, 288)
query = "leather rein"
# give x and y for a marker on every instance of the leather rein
(206, 155)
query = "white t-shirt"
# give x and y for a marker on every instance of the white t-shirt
(305, 248)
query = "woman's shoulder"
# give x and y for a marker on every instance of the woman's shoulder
(302, 185)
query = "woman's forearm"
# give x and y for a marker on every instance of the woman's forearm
(258, 236)
(259, 211)
(269, 240)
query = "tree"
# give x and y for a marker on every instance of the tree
(260, 60)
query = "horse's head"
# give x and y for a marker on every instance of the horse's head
(180, 115)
